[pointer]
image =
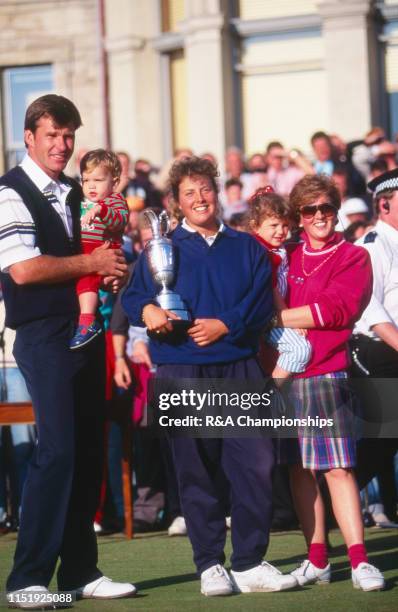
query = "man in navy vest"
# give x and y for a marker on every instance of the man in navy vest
(40, 261)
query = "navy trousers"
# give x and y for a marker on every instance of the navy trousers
(247, 464)
(62, 488)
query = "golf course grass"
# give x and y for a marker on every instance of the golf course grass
(162, 569)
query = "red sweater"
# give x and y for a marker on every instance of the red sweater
(110, 223)
(337, 292)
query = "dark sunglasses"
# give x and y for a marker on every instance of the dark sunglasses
(310, 210)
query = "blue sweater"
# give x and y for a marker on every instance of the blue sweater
(229, 280)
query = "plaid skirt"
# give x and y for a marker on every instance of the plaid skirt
(326, 396)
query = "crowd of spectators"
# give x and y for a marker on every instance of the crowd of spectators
(350, 164)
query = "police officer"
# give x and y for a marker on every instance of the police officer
(375, 341)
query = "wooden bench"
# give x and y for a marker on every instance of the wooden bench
(22, 412)
(17, 412)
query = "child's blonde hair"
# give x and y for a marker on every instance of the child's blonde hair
(266, 203)
(93, 159)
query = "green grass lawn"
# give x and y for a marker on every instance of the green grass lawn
(163, 571)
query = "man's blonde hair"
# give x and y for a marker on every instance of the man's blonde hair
(93, 159)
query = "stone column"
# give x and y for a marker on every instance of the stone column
(349, 33)
(207, 89)
(134, 77)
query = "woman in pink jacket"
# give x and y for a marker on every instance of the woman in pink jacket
(330, 284)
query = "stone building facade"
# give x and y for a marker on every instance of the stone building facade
(150, 76)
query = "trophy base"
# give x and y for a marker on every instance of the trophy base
(178, 333)
(181, 324)
(168, 300)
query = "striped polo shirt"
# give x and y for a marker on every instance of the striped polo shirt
(17, 229)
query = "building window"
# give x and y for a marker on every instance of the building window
(269, 75)
(20, 86)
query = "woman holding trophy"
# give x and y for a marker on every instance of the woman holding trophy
(207, 326)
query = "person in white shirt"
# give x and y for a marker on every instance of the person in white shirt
(380, 319)
(374, 345)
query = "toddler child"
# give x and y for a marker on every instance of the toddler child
(269, 220)
(104, 216)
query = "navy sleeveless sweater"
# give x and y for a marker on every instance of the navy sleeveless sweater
(26, 303)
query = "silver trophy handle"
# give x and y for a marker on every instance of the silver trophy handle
(164, 222)
(153, 222)
(159, 225)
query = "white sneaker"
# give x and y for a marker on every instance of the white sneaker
(105, 588)
(97, 527)
(367, 577)
(262, 578)
(384, 522)
(215, 581)
(24, 598)
(178, 527)
(308, 573)
(380, 518)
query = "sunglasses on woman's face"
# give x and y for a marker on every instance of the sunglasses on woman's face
(309, 211)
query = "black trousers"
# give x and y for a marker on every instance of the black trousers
(375, 456)
(62, 488)
(379, 359)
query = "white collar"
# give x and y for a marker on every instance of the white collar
(387, 230)
(187, 227)
(39, 177)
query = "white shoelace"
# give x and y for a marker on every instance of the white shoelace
(271, 568)
(217, 571)
(304, 566)
(371, 569)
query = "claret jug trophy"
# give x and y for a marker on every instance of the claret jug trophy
(159, 252)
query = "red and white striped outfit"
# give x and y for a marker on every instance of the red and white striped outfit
(108, 225)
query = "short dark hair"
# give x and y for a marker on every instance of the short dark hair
(191, 166)
(379, 165)
(319, 135)
(62, 110)
(237, 220)
(273, 144)
(233, 182)
(349, 233)
(340, 170)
